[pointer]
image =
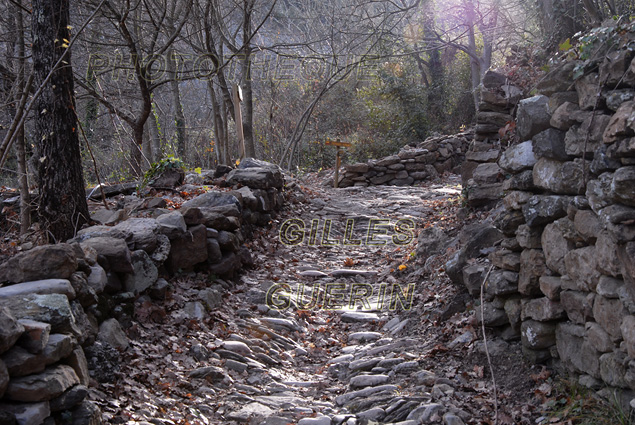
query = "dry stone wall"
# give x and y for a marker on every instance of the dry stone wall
(563, 279)
(425, 161)
(63, 307)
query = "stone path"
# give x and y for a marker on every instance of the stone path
(331, 326)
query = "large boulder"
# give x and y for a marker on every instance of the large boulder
(532, 117)
(54, 309)
(211, 199)
(258, 178)
(10, 329)
(518, 158)
(188, 249)
(112, 253)
(564, 178)
(42, 262)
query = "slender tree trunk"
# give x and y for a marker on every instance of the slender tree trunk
(155, 137)
(20, 145)
(475, 66)
(248, 110)
(62, 209)
(179, 116)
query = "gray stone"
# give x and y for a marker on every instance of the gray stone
(542, 309)
(54, 309)
(372, 414)
(358, 316)
(538, 335)
(237, 347)
(558, 79)
(211, 200)
(550, 286)
(97, 279)
(581, 266)
(450, 419)
(139, 233)
(424, 413)
(609, 287)
(516, 199)
(69, 399)
(171, 224)
(46, 286)
(10, 329)
(513, 309)
(532, 116)
(194, 310)
(621, 123)
(518, 158)
(212, 298)
(627, 328)
(555, 246)
(361, 337)
(609, 314)
(563, 117)
(319, 420)
(257, 178)
(613, 369)
(559, 177)
(87, 413)
(144, 275)
(43, 386)
(587, 137)
(113, 253)
(189, 249)
(623, 185)
(550, 144)
(346, 398)
(521, 181)
(26, 413)
(362, 381)
(502, 282)
(578, 305)
(577, 354)
(20, 362)
(488, 172)
(599, 338)
(532, 267)
(110, 332)
(599, 192)
(607, 256)
(210, 373)
(491, 315)
(588, 89)
(587, 224)
(77, 360)
(214, 253)
(42, 262)
(543, 209)
(529, 237)
(35, 336)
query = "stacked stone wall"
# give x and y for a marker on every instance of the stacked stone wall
(63, 307)
(426, 161)
(563, 277)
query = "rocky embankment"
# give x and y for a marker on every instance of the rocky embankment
(65, 308)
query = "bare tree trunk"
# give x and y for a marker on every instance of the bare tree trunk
(179, 117)
(23, 177)
(155, 138)
(63, 209)
(248, 110)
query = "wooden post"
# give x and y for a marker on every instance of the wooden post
(338, 158)
(237, 98)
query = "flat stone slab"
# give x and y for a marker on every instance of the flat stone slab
(46, 286)
(42, 386)
(360, 317)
